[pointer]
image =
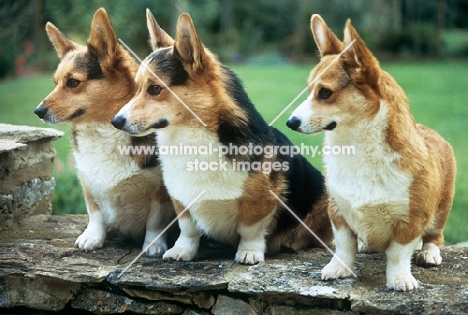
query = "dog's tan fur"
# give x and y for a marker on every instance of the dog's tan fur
(121, 191)
(404, 173)
(237, 206)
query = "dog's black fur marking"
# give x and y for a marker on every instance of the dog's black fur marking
(151, 160)
(78, 113)
(89, 64)
(237, 131)
(306, 184)
(170, 65)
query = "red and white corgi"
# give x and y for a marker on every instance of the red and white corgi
(398, 187)
(125, 192)
(237, 206)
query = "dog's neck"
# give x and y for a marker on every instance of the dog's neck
(393, 127)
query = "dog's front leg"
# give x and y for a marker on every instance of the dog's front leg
(159, 217)
(95, 234)
(342, 263)
(252, 245)
(399, 277)
(186, 246)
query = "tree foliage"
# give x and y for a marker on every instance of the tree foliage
(229, 27)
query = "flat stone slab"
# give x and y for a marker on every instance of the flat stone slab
(40, 269)
(25, 134)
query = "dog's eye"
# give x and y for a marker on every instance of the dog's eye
(154, 90)
(324, 93)
(72, 83)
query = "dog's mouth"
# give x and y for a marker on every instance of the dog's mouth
(121, 123)
(311, 127)
(77, 113)
(330, 126)
(43, 113)
(161, 123)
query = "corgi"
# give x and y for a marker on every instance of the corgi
(398, 188)
(237, 206)
(122, 191)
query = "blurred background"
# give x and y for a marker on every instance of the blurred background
(422, 43)
(240, 30)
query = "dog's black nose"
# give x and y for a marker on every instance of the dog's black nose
(118, 122)
(293, 123)
(40, 111)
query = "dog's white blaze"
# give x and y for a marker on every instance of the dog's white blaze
(370, 191)
(126, 110)
(304, 111)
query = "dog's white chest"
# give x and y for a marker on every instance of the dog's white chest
(187, 175)
(369, 189)
(215, 212)
(98, 159)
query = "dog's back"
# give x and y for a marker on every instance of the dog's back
(234, 204)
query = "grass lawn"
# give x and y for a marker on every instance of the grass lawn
(438, 93)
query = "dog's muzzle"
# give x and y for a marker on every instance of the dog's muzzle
(119, 122)
(293, 123)
(41, 111)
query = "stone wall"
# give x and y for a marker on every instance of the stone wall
(41, 271)
(26, 168)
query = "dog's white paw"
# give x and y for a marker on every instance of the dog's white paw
(180, 253)
(335, 270)
(157, 249)
(429, 256)
(404, 282)
(91, 239)
(249, 257)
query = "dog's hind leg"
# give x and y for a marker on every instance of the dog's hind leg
(433, 236)
(157, 220)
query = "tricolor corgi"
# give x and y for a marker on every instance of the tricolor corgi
(237, 206)
(125, 192)
(398, 187)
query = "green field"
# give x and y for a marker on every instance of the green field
(438, 93)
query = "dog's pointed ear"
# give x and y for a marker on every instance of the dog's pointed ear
(102, 40)
(326, 40)
(187, 45)
(62, 44)
(358, 60)
(158, 38)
